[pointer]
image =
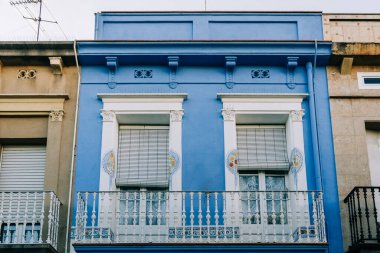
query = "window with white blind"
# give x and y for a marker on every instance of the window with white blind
(142, 165)
(22, 168)
(262, 147)
(143, 157)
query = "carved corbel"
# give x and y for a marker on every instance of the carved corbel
(176, 116)
(108, 116)
(112, 64)
(230, 67)
(173, 66)
(346, 65)
(56, 65)
(297, 116)
(56, 115)
(228, 114)
(292, 64)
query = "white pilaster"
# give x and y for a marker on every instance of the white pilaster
(109, 143)
(294, 132)
(175, 145)
(230, 144)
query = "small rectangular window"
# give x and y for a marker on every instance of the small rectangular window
(369, 80)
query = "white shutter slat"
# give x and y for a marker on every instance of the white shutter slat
(143, 157)
(22, 168)
(262, 148)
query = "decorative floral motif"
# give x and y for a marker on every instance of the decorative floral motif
(232, 162)
(107, 115)
(108, 163)
(297, 115)
(296, 162)
(143, 73)
(260, 73)
(173, 162)
(176, 116)
(56, 115)
(228, 114)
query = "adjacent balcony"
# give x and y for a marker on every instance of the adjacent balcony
(29, 221)
(364, 219)
(237, 217)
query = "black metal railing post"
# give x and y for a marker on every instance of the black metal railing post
(363, 215)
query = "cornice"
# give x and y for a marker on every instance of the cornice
(64, 96)
(262, 95)
(143, 95)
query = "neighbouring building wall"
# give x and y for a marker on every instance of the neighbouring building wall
(354, 50)
(349, 114)
(351, 28)
(42, 110)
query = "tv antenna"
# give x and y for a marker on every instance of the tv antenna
(38, 20)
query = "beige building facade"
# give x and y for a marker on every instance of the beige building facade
(38, 97)
(354, 89)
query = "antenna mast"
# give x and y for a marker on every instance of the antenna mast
(32, 17)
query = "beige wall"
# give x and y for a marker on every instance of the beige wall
(59, 133)
(350, 109)
(352, 28)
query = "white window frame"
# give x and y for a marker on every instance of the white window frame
(289, 105)
(362, 85)
(117, 104)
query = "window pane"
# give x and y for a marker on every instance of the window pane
(156, 208)
(276, 199)
(129, 208)
(250, 200)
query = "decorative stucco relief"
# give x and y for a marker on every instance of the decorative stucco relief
(56, 115)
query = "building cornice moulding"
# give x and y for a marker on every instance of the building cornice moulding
(31, 104)
(223, 96)
(136, 52)
(64, 96)
(103, 96)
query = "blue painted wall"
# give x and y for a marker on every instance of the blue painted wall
(201, 74)
(208, 26)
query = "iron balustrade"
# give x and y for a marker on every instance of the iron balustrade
(29, 218)
(199, 217)
(362, 204)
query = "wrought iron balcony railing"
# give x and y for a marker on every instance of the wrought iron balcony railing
(199, 217)
(362, 204)
(29, 218)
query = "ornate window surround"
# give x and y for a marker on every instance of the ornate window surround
(115, 105)
(259, 104)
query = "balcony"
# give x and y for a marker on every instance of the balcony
(155, 217)
(364, 220)
(29, 221)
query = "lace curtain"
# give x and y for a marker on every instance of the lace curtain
(276, 202)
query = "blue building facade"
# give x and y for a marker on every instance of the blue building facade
(205, 132)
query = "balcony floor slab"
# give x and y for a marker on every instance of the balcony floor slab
(200, 248)
(29, 248)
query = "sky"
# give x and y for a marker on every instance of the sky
(76, 17)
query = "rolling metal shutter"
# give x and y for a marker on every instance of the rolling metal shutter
(22, 168)
(143, 156)
(262, 148)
